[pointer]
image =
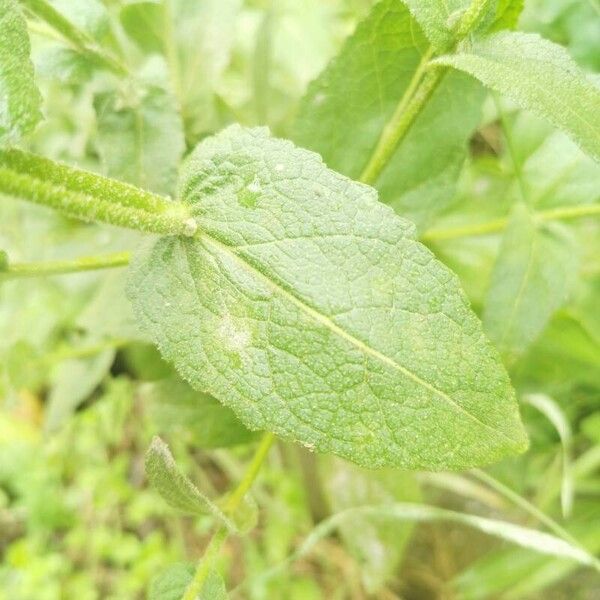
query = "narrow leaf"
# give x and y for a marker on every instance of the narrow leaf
(346, 108)
(553, 412)
(539, 76)
(541, 542)
(20, 100)
(532, 277)
(311, 310)
(175, 488)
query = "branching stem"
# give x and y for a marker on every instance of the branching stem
(88, 196)
(232, 504)
(420, 89)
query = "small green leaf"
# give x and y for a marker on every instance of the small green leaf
(346, 108)
(177, 489)
(72, 381)
(507, 14)
(140, 138)
(172, 584)
(144, 23)
(20, 100)
(539, 76)
(108, 314)
(532, 277)
(310, 309)
(175, 404)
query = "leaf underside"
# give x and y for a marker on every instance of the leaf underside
(310, 309)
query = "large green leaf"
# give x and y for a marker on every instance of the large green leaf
(539, 76)
(20, 99)
(532, 277)
(141, 140)
(310, 309)
(345, 111)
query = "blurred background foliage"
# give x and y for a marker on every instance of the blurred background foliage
(82, 393)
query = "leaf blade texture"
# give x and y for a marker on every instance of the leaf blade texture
(539, 76)
(346, 108)
(310, 309)
(20, 99)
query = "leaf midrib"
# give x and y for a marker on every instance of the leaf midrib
(281, 289)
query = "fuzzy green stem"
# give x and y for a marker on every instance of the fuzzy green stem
(412, 102)
(90, 197)
(420, 89)
(80, 40)
(232, 504)
(80, 180)
(60, 267)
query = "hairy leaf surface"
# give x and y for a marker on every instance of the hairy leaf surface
(539, 76)
(175, 488)
(346, 109)
(20, 99)
(532, 277)
(312, 311)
